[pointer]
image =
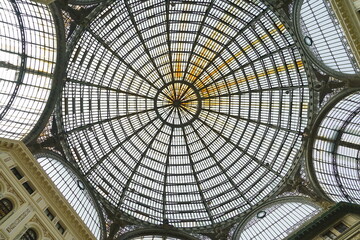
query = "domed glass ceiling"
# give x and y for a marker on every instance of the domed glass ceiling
(187, 113)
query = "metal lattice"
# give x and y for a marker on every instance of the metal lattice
(335, 150)
(277, 221)
(28, 44)
(74, 191)
(185, 113)
(154, 237)
(324, 37)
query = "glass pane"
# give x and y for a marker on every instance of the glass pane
(28, 55)
(185, 112)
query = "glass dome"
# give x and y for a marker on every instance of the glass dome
(186, 113)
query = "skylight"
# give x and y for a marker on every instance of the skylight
(336, 152)
(28, 53)
(324, 36)
(188, 113)
(74, 191)
(279, 221)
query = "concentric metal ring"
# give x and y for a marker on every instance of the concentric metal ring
(178, 103)
(188, 113)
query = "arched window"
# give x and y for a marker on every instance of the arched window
(5, 207)
(30, 234)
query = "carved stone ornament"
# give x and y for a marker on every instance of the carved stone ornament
(325, 204)
(2, 236)
(18, 220)
(45, 232)
(11, 190)
(5, 157)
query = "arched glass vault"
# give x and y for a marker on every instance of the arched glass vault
(334, 152)
(30, 44)
(276, 219)
(187, 113)
(323, 39)
(74, 189)
(155, 234)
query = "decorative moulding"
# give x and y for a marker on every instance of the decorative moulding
(46, 187)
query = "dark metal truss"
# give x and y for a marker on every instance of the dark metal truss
(183, 112)
(335, 148)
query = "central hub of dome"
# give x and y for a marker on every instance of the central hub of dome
(178, 103)
(190, 120)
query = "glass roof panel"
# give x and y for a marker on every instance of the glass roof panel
(186, 112)
(28, 54)
(154, 237)
(336, 150)
(278, 221)
(74, 191)
(325, 37)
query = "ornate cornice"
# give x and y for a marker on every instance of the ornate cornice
(349, 19)
(46, 188)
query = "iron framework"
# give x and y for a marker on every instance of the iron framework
(183, 112)
(333, 152)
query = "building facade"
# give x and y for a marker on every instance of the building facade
(32, 207)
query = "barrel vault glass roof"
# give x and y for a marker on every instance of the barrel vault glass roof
(73, 190)
(324, 36)
(28, 45)
(336, 152)
(277, 221)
